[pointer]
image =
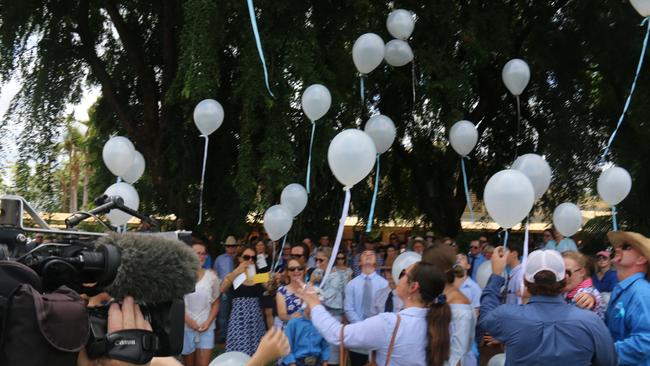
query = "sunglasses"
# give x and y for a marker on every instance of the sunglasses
(295, 269)
(602, 258)
(626, 246)
(247, 257)
(320, 260)
(473, 247)
(571, 273)
(340, 258)
(297, 255)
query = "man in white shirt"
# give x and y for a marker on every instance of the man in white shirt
(515, 278)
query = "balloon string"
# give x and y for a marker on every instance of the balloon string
(118, 180)
(205, 160)
(614, 224)
(339, 234)
(518, 123)
(362, 91)
(629, 96)
(311, 142)
(374, 198)
(258, 42)
(277, 260)
(467, 197)
(505, 239)
(523, 263)
(413, 79)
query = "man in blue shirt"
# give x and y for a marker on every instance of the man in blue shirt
(223, 265)
(628, 312)
(475, 258)
(547, 330)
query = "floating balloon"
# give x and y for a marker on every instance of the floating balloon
(231, 359)
(398, 53)
(614, 185)
(509, 195)
(131, 200)
(537, 170)
(497, 360)
(294, 197)
(136, 170)
(642, 6)
(567, 219)
(402, 262)
(381, 130)
(368, 52)
(516, 75)
(277, 221)
(463, 137)
(118, 154)
(400, 23)
(208, 116)
(316, 101)
(483, 273)
(351, 156)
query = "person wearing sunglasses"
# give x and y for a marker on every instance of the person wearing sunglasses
(604, 276)
(246, 325)
(628, 313)
(475, 257)
(579, 287)
(288, 304)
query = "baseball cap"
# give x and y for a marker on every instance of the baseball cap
(544, 260)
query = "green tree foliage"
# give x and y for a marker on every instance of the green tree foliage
(155, 60)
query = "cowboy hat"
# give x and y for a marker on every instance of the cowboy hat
(230, 240)
(638, 241)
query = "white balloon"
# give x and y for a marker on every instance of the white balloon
(516, 75)
(483, 273)
(642, 6)
(136, 170)
(614, 185)
(231, 359)
(567, 219)
(509, 195)
(536, 169)
(400, 23)
(402, 262)
(497, 360)
(368, 52)
(131, 200)
(398, 53)
(381, 130)
(118, 154)
(463, 136)
(316, 101)
(277, 221)
(208, 116)
(351, 156)
(294, 197)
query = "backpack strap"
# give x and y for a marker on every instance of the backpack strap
(392, 340)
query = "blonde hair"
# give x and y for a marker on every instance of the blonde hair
(580, 259)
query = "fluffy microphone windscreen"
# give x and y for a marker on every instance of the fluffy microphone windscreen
(153, 269)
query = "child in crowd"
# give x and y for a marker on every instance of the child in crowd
(308, 347)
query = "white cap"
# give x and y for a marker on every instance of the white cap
(544, 260)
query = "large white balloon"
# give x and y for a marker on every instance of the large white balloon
(294, 197)
(277, 221)
(463, 137)
(509, 195)
(567, 219)
(131, 200)
(516, 75)
(118, 154)
(642, 6)
(316, 101)
(614, 184)
(497, 360)
(368, 52)
(208, 116)
(400, 23)
(381, 130)
(398, 53)
(136, 170)
(402, 262)
(536, 169)
(231, 359)
(351, 156)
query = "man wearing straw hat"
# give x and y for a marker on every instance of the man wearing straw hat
(628, 313)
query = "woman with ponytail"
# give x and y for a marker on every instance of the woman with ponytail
(416, 336)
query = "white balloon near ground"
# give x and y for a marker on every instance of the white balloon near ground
(398, 53)
(516, 75)
(483, 273)
(136, 170)
(368, 52)
(316, 101)
(118, 154)
(509, 196)
(231, 359)
(294, 197)
(614, 184)
(402, 262)
(400, 24)
(537, 170)
(497, 360)
(131, 200)
(381, 130)
(277, 221)
(351, 156)
(641, 6)
(567, 219)
(463, 136)
(208, 116)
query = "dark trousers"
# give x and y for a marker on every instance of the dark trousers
(222, 317)
(358, 359)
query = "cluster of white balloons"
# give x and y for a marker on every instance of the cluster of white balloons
(124, 161)
(400, 24)
(279, 218)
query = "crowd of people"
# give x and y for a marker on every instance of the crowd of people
(557, 305)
